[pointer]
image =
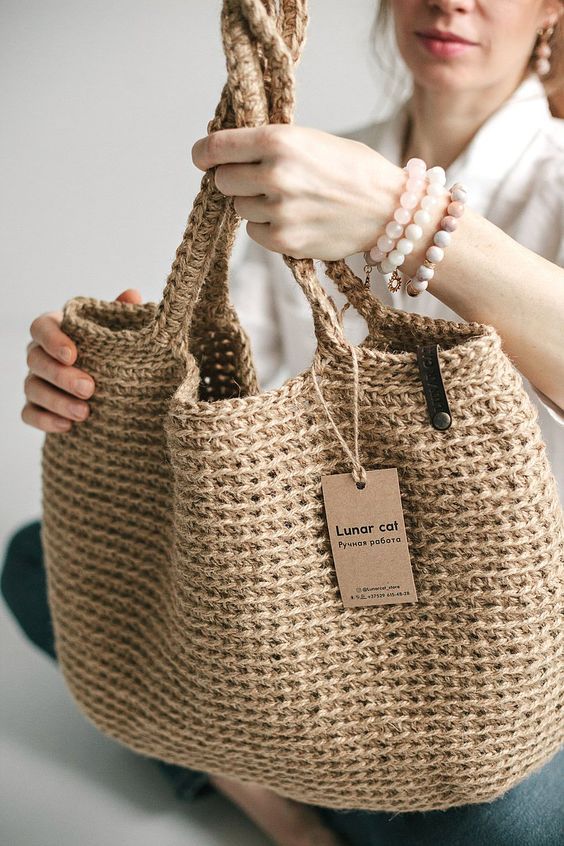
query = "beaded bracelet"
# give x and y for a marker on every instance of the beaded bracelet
(386, 244)
(441, 239)
(435, 179)
(391, 248)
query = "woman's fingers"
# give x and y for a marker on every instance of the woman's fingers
(66, 377)
(44, 420)
(55, 390)
(131, 295)
(46, 331)
(41, 393)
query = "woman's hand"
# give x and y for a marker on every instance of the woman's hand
(286, 822)
(305, 193)
(56, 392)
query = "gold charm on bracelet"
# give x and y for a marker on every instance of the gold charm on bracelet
(394, 283)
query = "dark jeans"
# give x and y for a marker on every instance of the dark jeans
(530, 814)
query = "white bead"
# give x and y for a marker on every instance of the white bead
(437, 174)
(416, 166)
(441, 238)
(402, 215)
(435, 254)
(413, 232)
(385, 244)
(542, 67)
(405, 246)
(419, 284)
(435, 189)
(428, 203)
(394, 229)
(421, 217)
(424, 272)
(396, 258)
(387, 266)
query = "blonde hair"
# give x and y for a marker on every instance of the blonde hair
(553, 82)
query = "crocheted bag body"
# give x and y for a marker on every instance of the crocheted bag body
(196, 608)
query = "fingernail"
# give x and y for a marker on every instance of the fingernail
(63, 425)
(78, 410)
(84, 387)
(65, 354)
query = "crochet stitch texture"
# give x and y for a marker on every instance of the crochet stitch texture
(196, 609)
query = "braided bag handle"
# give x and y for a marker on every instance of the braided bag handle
(262, 41)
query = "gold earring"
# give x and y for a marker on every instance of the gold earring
(542, 51)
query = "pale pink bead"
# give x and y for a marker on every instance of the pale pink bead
(421, 217)
(542, 67)
(394, 229)
(449, 223)
(416, 166)
(376, 254)
(408, 200)
(387, 266)
(385, 244)
(405, 246)
(396, 258)
(428, 203)
(437, 174)
(435, 254)
(402, 216)
(415, 184)
(455, 209)
(413, 232)
(435, 189)
(543, 51)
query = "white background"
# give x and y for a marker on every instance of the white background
(101, 103)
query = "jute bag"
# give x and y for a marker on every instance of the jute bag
(197, 612)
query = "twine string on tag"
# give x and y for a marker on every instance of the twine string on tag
(358, 471)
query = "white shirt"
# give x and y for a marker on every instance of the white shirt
(514, 170)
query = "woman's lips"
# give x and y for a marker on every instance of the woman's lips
(444, 49)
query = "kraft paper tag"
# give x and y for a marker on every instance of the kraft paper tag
(368, 539)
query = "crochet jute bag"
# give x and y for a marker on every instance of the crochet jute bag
(196, 609)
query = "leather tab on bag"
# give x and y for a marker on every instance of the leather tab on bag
(435, 394)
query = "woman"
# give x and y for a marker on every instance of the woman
(480, 112)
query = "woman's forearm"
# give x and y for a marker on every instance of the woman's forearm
(487, 276)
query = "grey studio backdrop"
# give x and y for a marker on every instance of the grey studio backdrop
(101, 103)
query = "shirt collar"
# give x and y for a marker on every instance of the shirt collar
(495, 147)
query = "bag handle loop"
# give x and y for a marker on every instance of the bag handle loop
(261, 44)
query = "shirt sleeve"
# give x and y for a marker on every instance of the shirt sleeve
(555, 190)
(251, 291)
(555, 412)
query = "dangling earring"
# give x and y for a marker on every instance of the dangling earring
(542, 51)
